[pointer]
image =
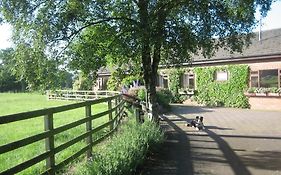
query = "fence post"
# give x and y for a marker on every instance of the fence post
(116, 111)
(137, 114)
(89, 129)
(48, 94)
(49, 143)
(110, 114)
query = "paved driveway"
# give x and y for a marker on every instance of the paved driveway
(235, 141)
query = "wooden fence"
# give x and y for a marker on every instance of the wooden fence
(78, 95)
(115, 104)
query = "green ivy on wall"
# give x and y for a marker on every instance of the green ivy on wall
(175, 83)
(228, 93)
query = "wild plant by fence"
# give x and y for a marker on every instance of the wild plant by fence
(78, 95)
(115, 105)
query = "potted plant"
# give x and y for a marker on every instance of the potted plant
(262, 91)
(273, 92)
(279, 91)
(251, 91)
(182, 91)
(190, 91)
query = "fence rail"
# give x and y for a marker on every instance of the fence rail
(79, 95)
(115, 104)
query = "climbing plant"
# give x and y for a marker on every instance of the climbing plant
(229, 93)
(175, 83)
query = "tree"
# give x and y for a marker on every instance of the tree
(34, 67)
(8, 81)
(150, 29)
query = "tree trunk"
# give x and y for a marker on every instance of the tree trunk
(150, 64)
(146, 58)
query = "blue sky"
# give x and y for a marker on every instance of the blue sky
(272, 21)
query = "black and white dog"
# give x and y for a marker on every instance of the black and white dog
(197, 123)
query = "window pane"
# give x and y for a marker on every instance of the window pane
(221, 76)
(191, 83)
(165, 83)
(182, 81)
(269, 78)
(185, 80)
(157, 80)
(254, 81)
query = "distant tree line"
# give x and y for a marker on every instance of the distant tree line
(25, 73)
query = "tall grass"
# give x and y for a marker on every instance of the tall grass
(125, 151)
(21, 102)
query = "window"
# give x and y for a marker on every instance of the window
(265, 78)
(269, 78)
(187, 81)
(165, 81)
(254, 78)
(162, 81)
(221, 76)
(254, 82)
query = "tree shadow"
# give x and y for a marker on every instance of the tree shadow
(232, 158)
(217, 128)
(172, 157)
(229, 154)
(178, 154)
(269, 160)
(184, 109)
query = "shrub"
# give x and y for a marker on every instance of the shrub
(125, 151)
(133, 91)
(262, 90)
(251, 90)
(183, 98)
(164, 97)
(142, 94)
(128, 80)
(274, 90)
(278, 90)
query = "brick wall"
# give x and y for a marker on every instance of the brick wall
(265, 103)
(265, 65)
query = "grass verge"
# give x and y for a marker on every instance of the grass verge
(125, 151)
(20, 102)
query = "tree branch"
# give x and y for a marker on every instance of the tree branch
(101, 21)
(71, 37)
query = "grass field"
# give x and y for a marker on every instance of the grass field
(14, 103)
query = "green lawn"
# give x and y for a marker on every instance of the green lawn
(13, 103)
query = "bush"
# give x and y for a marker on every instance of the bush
(251, 90)
(164, 97)
(142, 94)
(133, 92)
(125, 151)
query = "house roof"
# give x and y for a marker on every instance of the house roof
(269, 47)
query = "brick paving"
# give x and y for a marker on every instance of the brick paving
(234, 142)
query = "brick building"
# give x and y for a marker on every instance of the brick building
(263, 57)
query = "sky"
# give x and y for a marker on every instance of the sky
(271, 21)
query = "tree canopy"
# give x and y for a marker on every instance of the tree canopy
(8, 81)
(170, 31)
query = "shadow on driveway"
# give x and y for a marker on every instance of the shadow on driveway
(188, 152)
